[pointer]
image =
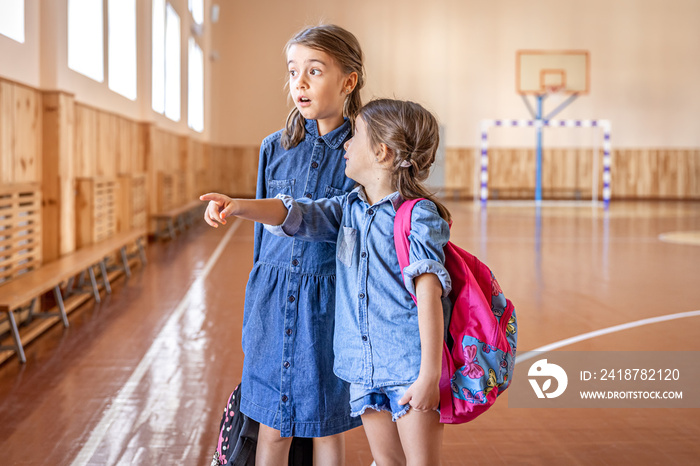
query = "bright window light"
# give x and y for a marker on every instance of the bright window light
(172, 64)
(195, 92)
(122, 47)
(86, 38)
(12, 19)
(158, 57)
(197, 10)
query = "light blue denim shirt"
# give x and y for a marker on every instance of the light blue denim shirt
(377, 341)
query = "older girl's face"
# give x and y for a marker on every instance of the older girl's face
(318, 86)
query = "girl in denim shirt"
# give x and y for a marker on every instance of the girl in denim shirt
(288, 384)
(388, 348)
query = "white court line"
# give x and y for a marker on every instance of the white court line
(124, 395)
(604, 331)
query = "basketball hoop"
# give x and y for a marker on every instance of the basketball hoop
(554, 89)
(544, 73)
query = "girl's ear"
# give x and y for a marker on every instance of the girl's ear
(383, 153)
(350, 82)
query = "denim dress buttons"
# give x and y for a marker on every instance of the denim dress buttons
(288, 381)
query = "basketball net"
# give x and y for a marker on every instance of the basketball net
(554, 90)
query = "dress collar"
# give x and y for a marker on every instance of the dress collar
(335, 138)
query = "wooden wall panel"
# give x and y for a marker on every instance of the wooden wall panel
(690, 178)
(165, 151)
(124, 150)
(20, 133)
(215, 175)
(247, 174)
(148, 134)
(511, 172)
(204, 182)
(132, 205)
(107, 145)
(197, 149)
(129, 147)
(567, 172)
(7, 126)
(459, 171)
(27, 143)
(185, 171)
(58, 175)
(165, 154)
(85, 144)
(234, 170)
(195, 166)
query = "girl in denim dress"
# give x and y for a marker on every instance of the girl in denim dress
(288, 384)
(386, 346)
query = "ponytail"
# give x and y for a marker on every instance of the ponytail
(412, 135)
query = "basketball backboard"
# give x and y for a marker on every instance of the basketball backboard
(548, 71)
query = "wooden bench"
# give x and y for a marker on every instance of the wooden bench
(168, 223)
(26, 288)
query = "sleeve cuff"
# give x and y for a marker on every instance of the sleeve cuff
(291, 223)
(427, 266)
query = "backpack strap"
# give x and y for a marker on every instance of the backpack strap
(402, 229)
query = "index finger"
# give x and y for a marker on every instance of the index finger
(216, 197)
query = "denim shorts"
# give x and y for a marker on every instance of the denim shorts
(379, 399)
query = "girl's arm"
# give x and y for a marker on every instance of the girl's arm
(303, 219)
(424, 394)
(267, 211)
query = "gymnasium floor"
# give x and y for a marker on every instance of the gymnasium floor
(142, 378)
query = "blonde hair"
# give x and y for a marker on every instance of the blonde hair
(345, 49)
(411, 134)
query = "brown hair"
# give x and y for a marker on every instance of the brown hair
(411, 134)
(344, 48)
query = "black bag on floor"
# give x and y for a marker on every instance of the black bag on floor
(238, 437)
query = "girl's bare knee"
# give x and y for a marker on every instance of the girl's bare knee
(271, 448)
(330, 450)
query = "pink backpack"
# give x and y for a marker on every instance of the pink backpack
(478, 354)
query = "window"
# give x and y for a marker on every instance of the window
(197, 9)
(12, 19)
(86, 38)
(158, 57)
(122, 47)
(172, 64)
(166, 60)
(195, 92)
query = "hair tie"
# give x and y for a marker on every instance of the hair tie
(405, 163)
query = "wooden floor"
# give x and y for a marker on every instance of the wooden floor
(142, 378)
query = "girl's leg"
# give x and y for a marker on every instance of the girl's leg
(329, 451)
(421, 437)
(272, 450)
(384, 440)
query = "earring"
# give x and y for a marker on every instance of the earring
(347, 91)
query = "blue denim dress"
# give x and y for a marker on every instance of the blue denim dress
(377, 340)
(289, 316)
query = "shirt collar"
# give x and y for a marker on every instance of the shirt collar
(335, 138)
(395, 198)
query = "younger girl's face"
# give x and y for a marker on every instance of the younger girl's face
(318, 86)
(360, 159)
